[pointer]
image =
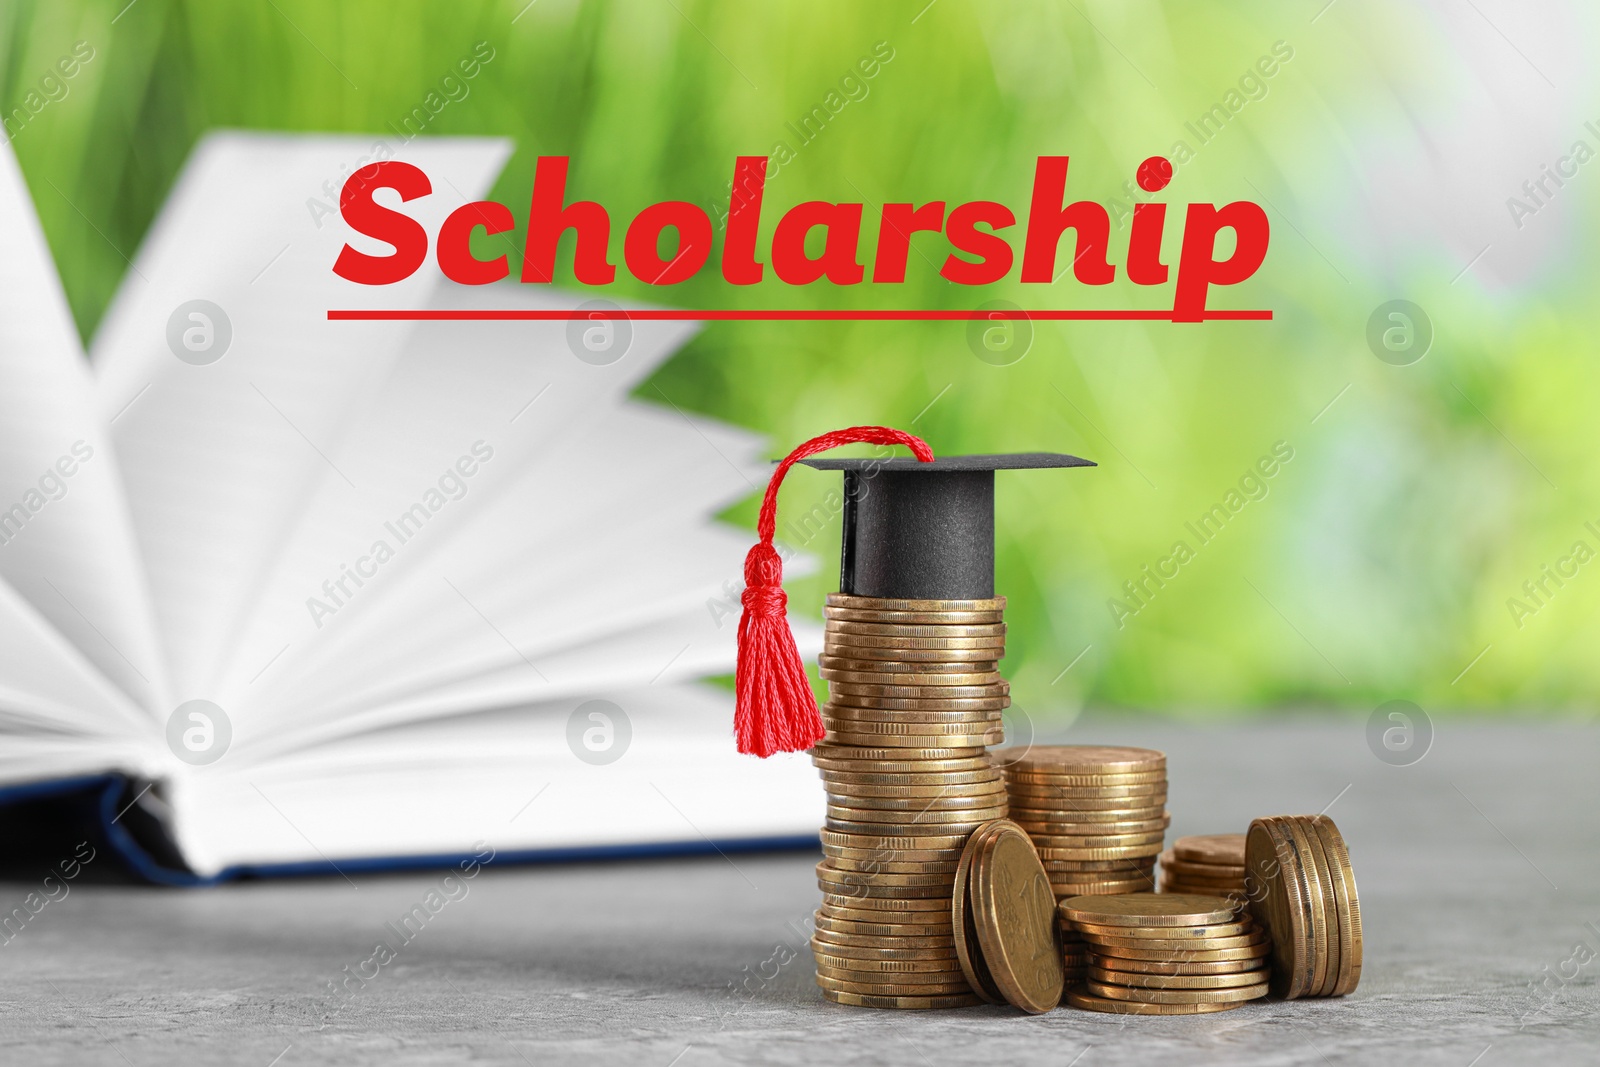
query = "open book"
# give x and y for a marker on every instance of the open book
(309, 593)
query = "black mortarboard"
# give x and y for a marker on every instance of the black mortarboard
(924, 531)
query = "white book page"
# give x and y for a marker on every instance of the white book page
(221, 458)
(66, 539)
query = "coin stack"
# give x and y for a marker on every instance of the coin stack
(915, 697)
(1301, 887)
(1205, 864)
(1167, 954)
(1097, 814)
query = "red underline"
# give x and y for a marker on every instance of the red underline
(773, 315)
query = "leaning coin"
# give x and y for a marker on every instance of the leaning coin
(1349, 907)
(1320, 904)
(1014, 911)
(964, 921)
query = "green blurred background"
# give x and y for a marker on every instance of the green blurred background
(1382, 561)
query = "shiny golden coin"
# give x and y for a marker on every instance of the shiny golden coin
(1142, 864)
(1176, 981)
(832, 875)
(939, 910)
(1066, 810)
(1052, 796)
(833, 615)
(1101, 880)
(1277, 899)
(1150, 909)
(1177, 996)
(1200, 870)
(980, 776)
(857, 893)
(921, 741)
(1084, 759)
(1091, 889)
(891, 842)
(963, 919)
(875, 603)
(1339, 942)
(939, 969)
(1152, 837)
(950, 800)
(1113, 945)
(1014, 911)
(849, 854)
(1090, 818)
(910, 935)
(916, 816)
(921, 692)
(922, 706)
(1313, 870)
(874, 946)
(1117, 963)
(885, 923)
(1223, 849)
(1078, 998)
(853, 628)
(1219, 887)
(1024, 776)
(1102, 829)
(1047, 834)
(852, 982)
(938, 661)
(874, 789)
(846, 642)
(880, 866)
(873, 760)
(921, 671)
(1260, 950)
(859, 1000)
(1121, 852)
(906, 829)
(902, 678)
(1245, 925)
(904, 728)
(1348, 904)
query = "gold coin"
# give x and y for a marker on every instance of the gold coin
(832, 875)
(876, 603)
(1152, 837)
(892, 842)
(1063, 809)
(922, 706)
(914, 630)
(885, 923)
(1091, 818)
(847, 642)
(1047, 796)
(949, 800)
(873, 789)
(878, 866)
(1177, 996)
(1014, 911)
(1117, 963)
(940, 908)
(1221, 849)
(1141, 864)
(904, 728)
(854, 982)
(1101, 881)
(1024, 776)
(1108, 853)
(937, 661)
(1320, 908)
(1175, 981)
(1245, 925)
(907, 829)
(922, 816)
(1339, 942)
(1260, 950)
(912, 618)
(848, 854)
(921, 671)
(919, 741)
(873, 760)
(1219, 887)
(1084, 759)
(902, 678)
(1077, 998)
(856, 892)
(921, 692)
(910, 935)
(1285, 906)
(875, 946)
(964, 920)
(1199, 870)
(935, 969)
(1102, 829)
(981, 776)
(1349, 907)
(1150, 909)
(1178, 944)
(863, 1000)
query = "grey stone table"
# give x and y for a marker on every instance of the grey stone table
(1479, 870)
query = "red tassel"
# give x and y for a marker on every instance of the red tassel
(775, 710)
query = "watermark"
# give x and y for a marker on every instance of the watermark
(51, 486)
(599, 732)
(400, 932)
(1537, 592)
(1253, 485)
(199, 732)
(199, 332)
(1003, 337)
(1399, 733)
(602, 335)
(453, 88)
(1554, 979)
(1537, 193)
(52, 890)
(52, 88)
(452, 485)
(1399, 332)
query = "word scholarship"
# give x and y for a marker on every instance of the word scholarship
(812, 241)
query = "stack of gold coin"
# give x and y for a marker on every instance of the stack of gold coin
(1096, 814)
(915, 698)
(1074, 955)
(1167, 954)
(1205, 864)
(1301, 887)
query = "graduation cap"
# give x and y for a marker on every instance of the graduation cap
(914, 529)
